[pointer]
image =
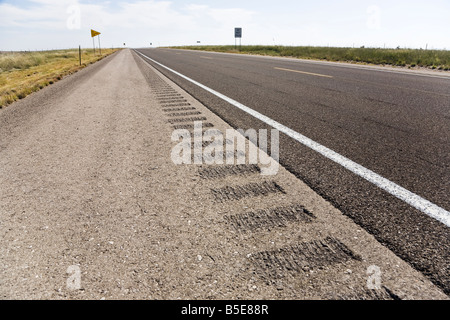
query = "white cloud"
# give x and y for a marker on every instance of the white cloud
(40, 14)
(140, 14)
(66, 23)
(127, 20)
(53, 14)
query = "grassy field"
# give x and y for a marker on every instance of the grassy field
(22, 73)
(413, 58)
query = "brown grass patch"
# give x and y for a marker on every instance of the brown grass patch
(22, 73)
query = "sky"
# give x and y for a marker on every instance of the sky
(61, 24)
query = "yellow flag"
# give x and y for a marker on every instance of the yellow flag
(94, 33)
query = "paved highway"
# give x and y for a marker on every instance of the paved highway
(393, 123)
(93, 205)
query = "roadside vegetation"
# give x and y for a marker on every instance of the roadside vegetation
(412, 58)
(22, 73)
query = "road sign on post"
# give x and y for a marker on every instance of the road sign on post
(237, 34)
(93, 35)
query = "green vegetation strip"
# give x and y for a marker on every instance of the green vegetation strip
(412, 58)
(22, 73)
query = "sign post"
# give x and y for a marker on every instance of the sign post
(93, 35)
(237, 34)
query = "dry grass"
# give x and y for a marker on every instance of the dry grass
(22, 73)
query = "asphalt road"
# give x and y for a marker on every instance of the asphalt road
(93, 206)
(396, 124)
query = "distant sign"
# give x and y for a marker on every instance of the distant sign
(238, 32)
(94, 33)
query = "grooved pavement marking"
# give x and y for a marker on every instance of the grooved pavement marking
(401, 193)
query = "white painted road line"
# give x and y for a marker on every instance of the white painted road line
(401, 193)
(303, 72)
